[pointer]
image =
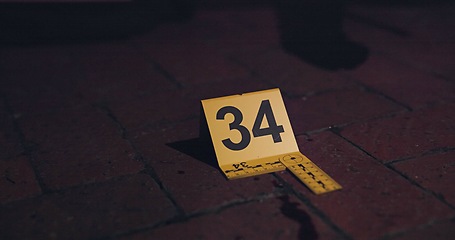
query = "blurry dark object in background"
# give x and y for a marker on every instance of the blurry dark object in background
(44, 22)
(312, 30)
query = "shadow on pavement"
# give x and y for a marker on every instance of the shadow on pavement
(197, 149)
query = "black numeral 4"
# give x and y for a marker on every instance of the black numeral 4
(265, 110)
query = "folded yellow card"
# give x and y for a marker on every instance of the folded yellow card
(251, 134)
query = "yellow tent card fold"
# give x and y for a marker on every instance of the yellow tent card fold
(252, 135)
(252, 127)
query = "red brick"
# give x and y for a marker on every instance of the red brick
(434, 48)
(393, 16)
(438, 231)
(192, 63)
(434, 172)
(403, 83)
(291, 74)
(51, 88)
(179, 104)
(276, 218)
(374, 199)
(76, 146)
(155, 109)
(430, 26)
(377, 40)
(116, 72)
(226, 88)
(18, 180)
(336, 108)
(190, 172)
(406, 135)
(87, 212)
(382, 29)
(434, 57)
(424, 44)
(435, 24)
(30, 100)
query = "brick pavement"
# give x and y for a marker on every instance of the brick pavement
(99, 138)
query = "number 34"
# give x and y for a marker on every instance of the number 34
(265, 110)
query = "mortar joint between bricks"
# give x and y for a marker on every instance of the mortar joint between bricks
(233, 203)
(372, 90)
(27, 148)
(430, 152)
(338, 133)
(156, 66)
(438, 196)
(402, 232)
(148, 169)
(390, 166)
(201, 213)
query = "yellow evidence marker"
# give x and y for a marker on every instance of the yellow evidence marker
(252, 135)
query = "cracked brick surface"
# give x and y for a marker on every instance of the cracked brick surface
(99, 137)
(370, 190)
(290, 220)
(433, 172)
(18, 180)
(405, 135)
(77, 145)
(88, 211)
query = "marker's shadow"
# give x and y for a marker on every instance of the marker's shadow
(198, 149)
